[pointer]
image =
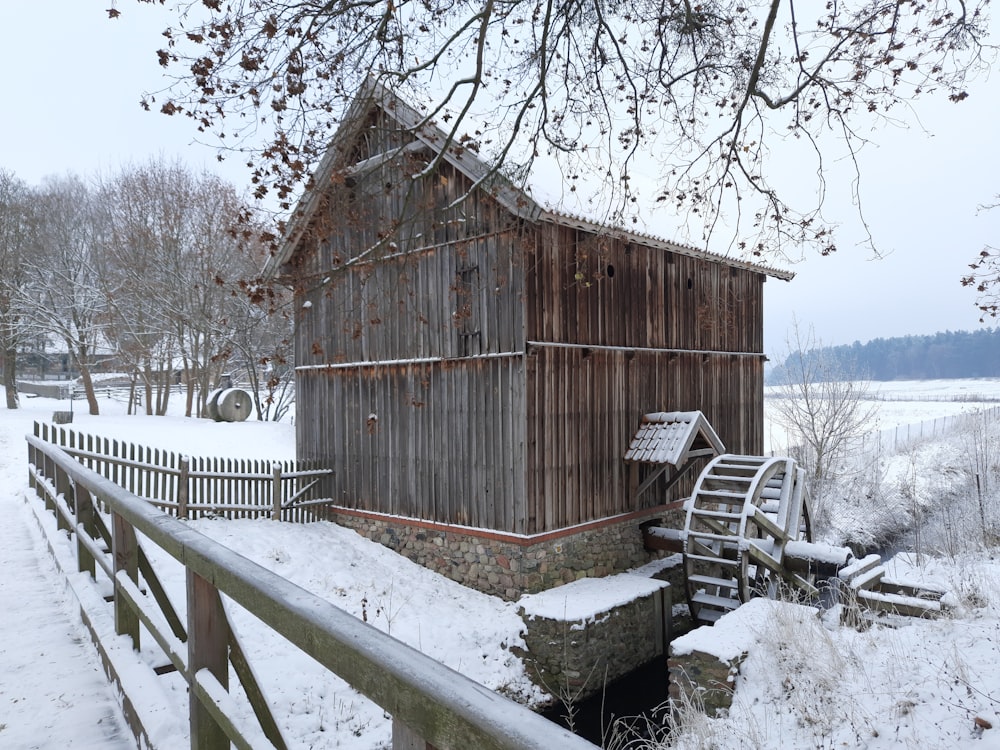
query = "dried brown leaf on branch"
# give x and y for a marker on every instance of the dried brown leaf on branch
(743, 114)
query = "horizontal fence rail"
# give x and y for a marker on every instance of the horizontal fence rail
(426, 699)
(194, 487)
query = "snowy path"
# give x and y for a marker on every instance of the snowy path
(53, 692)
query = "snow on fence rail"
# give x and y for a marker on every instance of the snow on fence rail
(193, 487)
(430, 703)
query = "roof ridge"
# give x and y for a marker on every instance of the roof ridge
(516, 199)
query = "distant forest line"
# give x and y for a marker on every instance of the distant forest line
(951, 354)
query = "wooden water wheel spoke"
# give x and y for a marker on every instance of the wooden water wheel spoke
(761, 557)
(742, 513)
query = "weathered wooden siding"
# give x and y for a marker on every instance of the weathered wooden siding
(589, 289)
(584, 405)
(458, 294)
(441, 441)
(615, 330)
(488, 371)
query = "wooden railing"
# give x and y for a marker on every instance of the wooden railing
(192, 487)
(431, 705)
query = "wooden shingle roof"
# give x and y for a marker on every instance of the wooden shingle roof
(672, 438)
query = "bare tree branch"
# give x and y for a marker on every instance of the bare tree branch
(706, 94)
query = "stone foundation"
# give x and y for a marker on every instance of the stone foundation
(507, 565)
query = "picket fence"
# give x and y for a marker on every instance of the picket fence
(196, 487)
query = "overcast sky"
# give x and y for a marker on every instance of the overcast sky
(73, 80)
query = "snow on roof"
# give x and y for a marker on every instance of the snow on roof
(588, 598)
(668, 437)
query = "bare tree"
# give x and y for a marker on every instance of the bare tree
(180, 255)
(15, 231)
(220, 255)
(824, 408)
(261, 346)
(709, 93)
(137, 280)
(63, 291)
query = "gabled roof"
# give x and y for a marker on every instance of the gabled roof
(672, 438)
(429, 135)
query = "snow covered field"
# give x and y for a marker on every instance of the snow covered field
(906, 402)
(809, 683)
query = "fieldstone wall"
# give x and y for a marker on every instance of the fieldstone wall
(705, 662)
(704, 681)
(578, 654)
(500, 565)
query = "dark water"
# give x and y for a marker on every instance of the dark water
(634, 697)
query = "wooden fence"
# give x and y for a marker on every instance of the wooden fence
(431, 704)
(895, 439)
(898, 438)
(194, 487)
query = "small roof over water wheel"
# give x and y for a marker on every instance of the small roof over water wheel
(669, 440)
(742, 513)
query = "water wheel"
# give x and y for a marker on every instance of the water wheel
(742, 513)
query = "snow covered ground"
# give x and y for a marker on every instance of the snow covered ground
(53, 692)
(808, 684)
(466, 630)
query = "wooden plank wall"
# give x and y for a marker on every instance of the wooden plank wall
(584, 405)
(448, 280)
(622, 330)
(587, 289)
(447, 285)
(440, 441)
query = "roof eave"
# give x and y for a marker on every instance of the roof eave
(578, 222)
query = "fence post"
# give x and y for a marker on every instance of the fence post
(125, 551)
(85, 527)
(404, 738)
(276, 493)
(208, 644)
(33, 461)
(182, 487)
(64, 487)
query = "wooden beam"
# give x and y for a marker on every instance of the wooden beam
(208, 648)
(85, 527)
(125, 554)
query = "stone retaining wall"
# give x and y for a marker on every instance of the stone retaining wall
(59, 389)
(504, 565)
(577, 654)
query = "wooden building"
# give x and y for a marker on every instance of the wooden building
(473, 366)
